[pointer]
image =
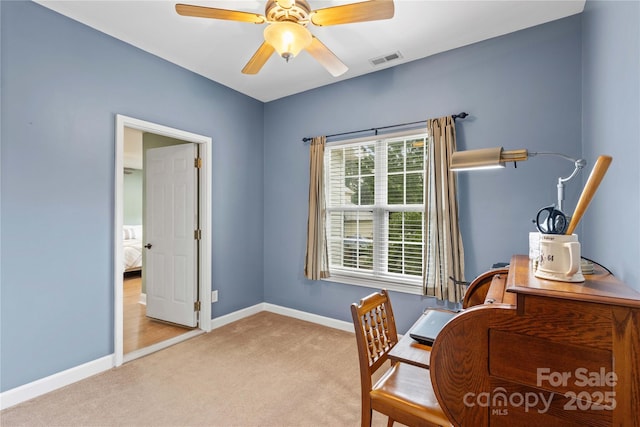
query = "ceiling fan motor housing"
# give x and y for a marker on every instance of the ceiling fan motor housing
(288, 10)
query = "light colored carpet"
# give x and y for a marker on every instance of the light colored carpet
(265, 370)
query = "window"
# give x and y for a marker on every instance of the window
(375, 211)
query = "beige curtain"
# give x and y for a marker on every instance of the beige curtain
(316, 265)
(444, 254)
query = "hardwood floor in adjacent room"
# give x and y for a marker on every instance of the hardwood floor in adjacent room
(139, 330)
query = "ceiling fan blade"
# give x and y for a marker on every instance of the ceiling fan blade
(326, 58)
(371, 10)
(258, 59)
(210, 12)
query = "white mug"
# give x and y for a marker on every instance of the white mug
(559, 258)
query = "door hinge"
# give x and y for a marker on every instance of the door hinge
(197, 162)
(197, 234)
(196, 306)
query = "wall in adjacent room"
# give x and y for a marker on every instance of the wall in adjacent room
(132, 197)
(62, 85)
(522, 90)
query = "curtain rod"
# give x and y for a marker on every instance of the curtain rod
(454, 116)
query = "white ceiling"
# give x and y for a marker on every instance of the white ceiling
(219, 49)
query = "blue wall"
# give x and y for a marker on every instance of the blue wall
(611, 125)
(62, 85)
(567, 86)
(522, 90)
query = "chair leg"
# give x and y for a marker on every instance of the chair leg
(366, 416)
(390, 422)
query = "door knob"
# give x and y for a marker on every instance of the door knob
(148, 246)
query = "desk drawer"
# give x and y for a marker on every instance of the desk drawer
(548, 365)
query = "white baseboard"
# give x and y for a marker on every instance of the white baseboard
(45, 385)
(285, 311)
(217, 322)
(309, 317)
(142, 299)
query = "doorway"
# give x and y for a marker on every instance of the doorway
(203, 189)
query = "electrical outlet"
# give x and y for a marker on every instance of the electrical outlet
(214, 296)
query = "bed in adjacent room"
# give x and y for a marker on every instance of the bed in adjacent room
(132, 243)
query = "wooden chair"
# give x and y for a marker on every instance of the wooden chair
(404, 392)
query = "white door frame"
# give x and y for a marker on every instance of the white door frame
(205, 223)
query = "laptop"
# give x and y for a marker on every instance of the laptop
(429, 325)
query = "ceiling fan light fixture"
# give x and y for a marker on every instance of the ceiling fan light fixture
(287, 38)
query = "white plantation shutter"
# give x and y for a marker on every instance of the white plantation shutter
(375, 211)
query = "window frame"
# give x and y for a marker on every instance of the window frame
(404, 283)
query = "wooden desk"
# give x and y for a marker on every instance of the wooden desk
(488, 288)
(411, 351)
(574, 347)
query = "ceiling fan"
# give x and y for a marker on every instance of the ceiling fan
(287, 31)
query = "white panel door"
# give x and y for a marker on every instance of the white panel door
(170, 221)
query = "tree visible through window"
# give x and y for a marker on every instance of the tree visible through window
(375, 208)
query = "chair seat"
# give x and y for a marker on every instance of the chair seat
(408, 388)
